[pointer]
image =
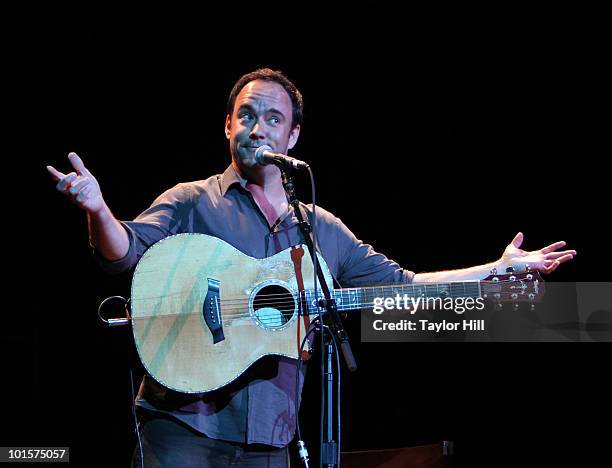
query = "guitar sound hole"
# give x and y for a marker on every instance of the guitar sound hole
(273, 306)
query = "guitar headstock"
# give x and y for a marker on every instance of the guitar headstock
(527, 286)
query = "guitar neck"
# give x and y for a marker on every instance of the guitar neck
(348, 299)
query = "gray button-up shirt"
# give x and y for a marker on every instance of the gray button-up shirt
(258, 407)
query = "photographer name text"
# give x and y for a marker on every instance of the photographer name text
(428, 325)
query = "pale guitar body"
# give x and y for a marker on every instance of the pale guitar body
(169, 290)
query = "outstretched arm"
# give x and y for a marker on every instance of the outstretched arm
(105, 232)
(545, 260)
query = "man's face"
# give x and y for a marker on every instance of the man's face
(261, 116)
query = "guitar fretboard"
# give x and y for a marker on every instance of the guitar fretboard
(360, 298)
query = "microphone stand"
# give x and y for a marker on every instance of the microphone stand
(334, 323)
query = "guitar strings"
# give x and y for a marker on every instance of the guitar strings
(235, 307)
(273, 299)
(346, 290)
(239, 312)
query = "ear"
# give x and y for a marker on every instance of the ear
(228, 124)
(293, 137)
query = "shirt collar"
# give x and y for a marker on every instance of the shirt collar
(229, 178)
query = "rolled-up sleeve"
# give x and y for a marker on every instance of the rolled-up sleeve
(361, 265)
(169, 214)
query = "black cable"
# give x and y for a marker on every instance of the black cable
(315, 260)
(316, 303)
(323, 384)
(297, 396)
(136, 424)
(339, 425)
(132, 398)
(322, 393)
(335, 344)
(322, 333)
(297, 383)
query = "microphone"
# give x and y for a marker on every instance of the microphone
(264, 155)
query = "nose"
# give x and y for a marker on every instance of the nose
(257, 132)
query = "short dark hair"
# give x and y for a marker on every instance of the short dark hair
(267, 74)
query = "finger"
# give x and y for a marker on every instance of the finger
(57, 175)
(546, 265)
(564, 259)
(87, 190)
(518, 240)
(65, 183)
(553, 255)
(553, 266)
(552, 247)
(78, 185)
(549, 269)
(77, 163)
(83, 195)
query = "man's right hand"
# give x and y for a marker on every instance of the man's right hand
(80, 186)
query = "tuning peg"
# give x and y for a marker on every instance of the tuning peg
(527, 267)
(498, 307)
(493, 271)
(510, 271)
(515, 306)
(532, 307)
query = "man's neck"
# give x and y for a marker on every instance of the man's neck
(265, 185)
(267, 177)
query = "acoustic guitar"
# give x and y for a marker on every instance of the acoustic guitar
(202, 312)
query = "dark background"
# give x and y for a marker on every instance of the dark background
(435, 147)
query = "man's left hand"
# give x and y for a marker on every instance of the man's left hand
(545, 260)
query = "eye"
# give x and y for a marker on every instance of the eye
(274, 120)
(246, 116)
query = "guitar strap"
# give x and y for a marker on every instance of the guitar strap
(297, 253)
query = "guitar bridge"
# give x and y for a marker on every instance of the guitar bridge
(212, 310)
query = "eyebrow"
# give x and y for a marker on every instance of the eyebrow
(252, 109)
